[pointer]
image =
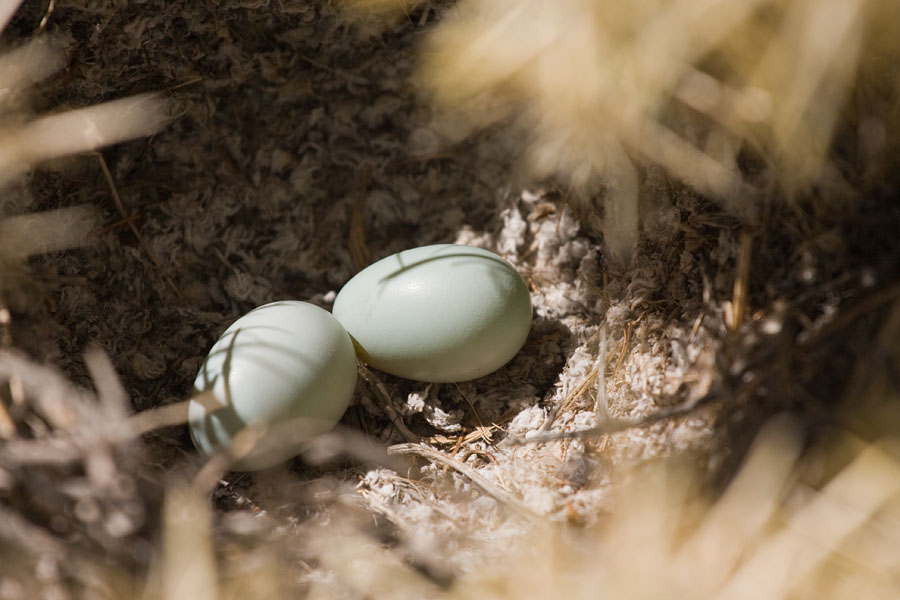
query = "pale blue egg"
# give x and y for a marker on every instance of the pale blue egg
(437, 313)
(288, 367)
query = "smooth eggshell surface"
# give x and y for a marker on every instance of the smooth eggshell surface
(436, 313)
(287, 366)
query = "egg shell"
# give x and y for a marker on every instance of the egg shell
(288, 367)
(436, 313)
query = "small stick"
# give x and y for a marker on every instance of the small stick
(387, 403)
(616, 425)
(158, 418)
(741, 280)
(131, 225)
(425, 11)
(488, 486)
(601, 404)
(573, 397)
(625, 342)
(485, 431)
(46, 19)
(103, 231)
(241, 445)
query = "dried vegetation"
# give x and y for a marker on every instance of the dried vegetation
(702, 195)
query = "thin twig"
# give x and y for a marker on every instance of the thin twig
(488, 486)
(567, 402)
(619, 425)
(158, 418)
(387, 403)
(601, 403)
(119, 207)
(242, 444)
(46, 18)
(741, 280)
(485, 431)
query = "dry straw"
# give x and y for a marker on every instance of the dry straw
(739, 99)
(26, 141)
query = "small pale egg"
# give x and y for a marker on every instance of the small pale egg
(288, 368)
(436, 313)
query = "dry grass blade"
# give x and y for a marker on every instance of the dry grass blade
(46, 231)
(596, 85)
(48, 452)
(808, 92)
(533, 53)
(51, 6)
(7, 425)
(621, 219)
(741, 282)
(188, 568)
(160, 417)
(24, 66)
(601, 402)
(362, 569)
(62, 404)
(15, 529)
(79, 130)
(748, 544)
(792, 553)
(7, 9)
(739, 516)
(346, 442)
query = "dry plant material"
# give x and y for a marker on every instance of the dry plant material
(738, 306)
(696, 86)
(600, 91)
(47, 231)
(26, 142)
(766, 537)
(188, 567)
(486, 485)
(79, 130)
(125, 219)
(69, 447)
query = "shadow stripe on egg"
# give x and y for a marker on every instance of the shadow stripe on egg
(287, 368)
(440, 313)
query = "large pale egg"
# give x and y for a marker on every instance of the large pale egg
(436, 313)
(288, 368)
